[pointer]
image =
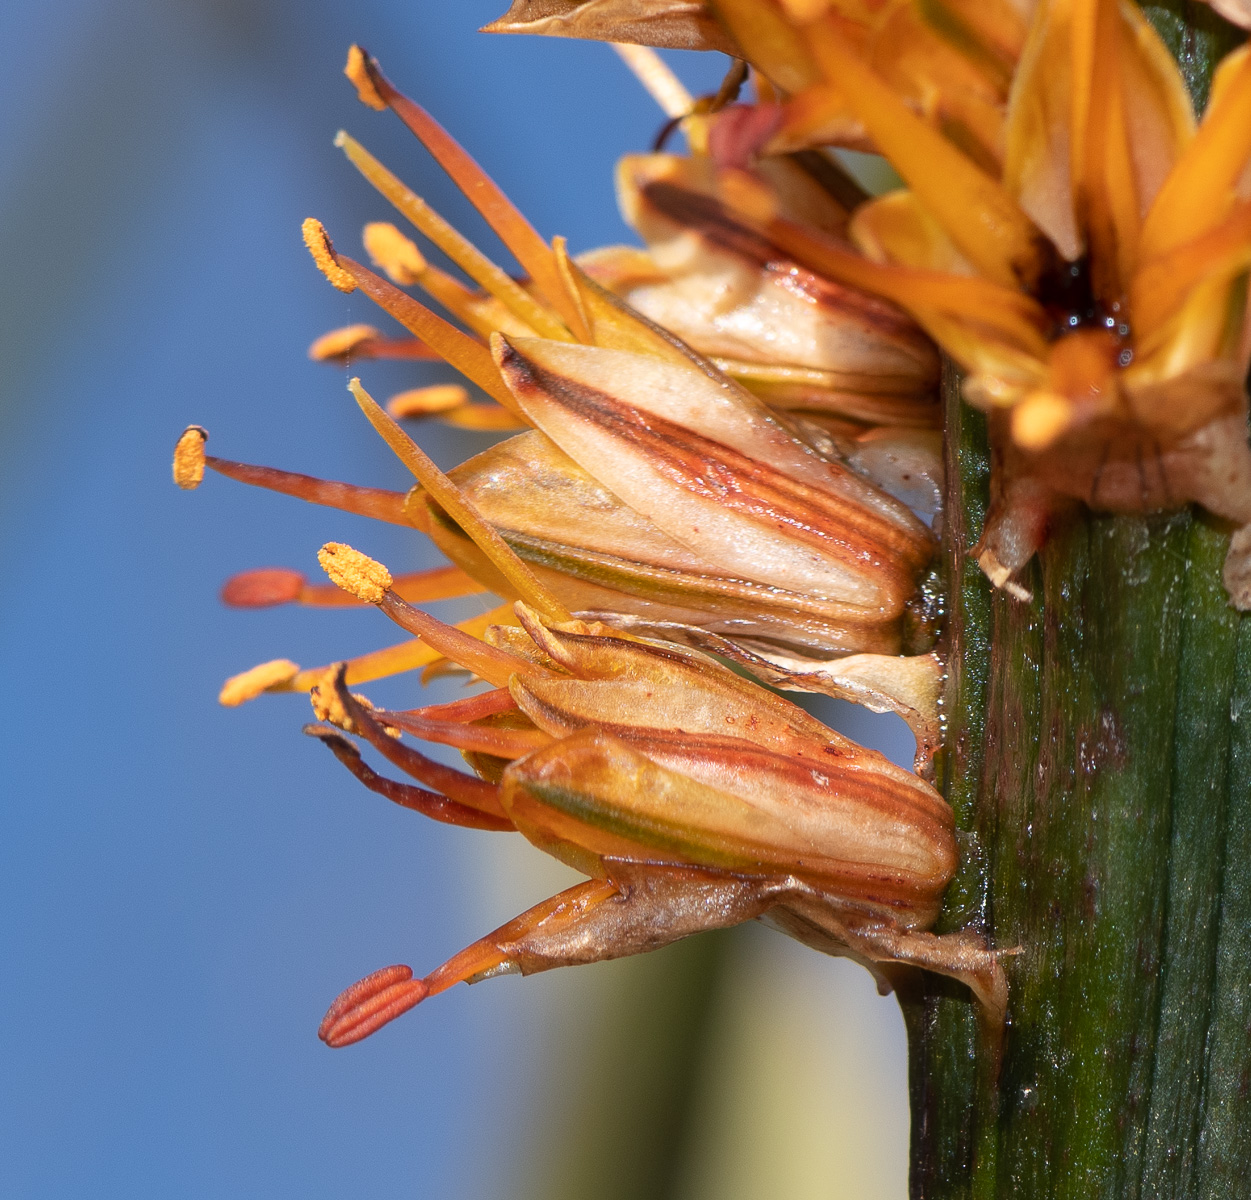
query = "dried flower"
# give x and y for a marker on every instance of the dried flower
(692, 798)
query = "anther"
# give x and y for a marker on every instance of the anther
(339, 343)
(393, 253)
(189, 458)
(354, 572)
(361, 70)
(367, 1006)
(239, 689)
(322, 249)
(424, 401)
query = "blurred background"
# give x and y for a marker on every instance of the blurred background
(184, 888)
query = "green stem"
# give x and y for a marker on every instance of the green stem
(1098, 760)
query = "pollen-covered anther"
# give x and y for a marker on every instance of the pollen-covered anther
(189, 458)
(393, 253)
(328, 704)
(339, 343)
(322, 249)
(354, 572)
(1039, 419)
(239, 689)
(424, 401)
(360, 70)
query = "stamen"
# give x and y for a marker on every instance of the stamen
(189, 457)
(978, 215)
(503, 743)
(455, 245)
(488, 704)
(370, 1004)
(322, 249)
(521, 238)
(378, 503)
(456, 785)
(495, 666)
(396, 255)
(363, 341)
(407, 656)
(261, 678)
(491, 418)
(424, 401)
(660, 83)
(1015, 316)
(471, 358)
(460, 508)
(429, 804)
(339, 343)
(364, 577)
(271, 586)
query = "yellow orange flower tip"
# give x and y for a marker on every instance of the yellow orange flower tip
(424, 401)
(393, 253)
(1039, 419)
(361, 71)
(356, 573)
(322, 249)
(239, 689)
(189, 457)
(339, 343)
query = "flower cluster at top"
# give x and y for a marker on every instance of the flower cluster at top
(730, 450)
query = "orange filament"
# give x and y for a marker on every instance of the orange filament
(977, 214)
(460, 508)
(455, 245)
(488, 704)
(406, 795)
(270, 586)
(560, 911)
(377, 503)
(1016, 317)
(342, 345)
(521, 238)
(456, 785)
(503, 743)
(460, 645)
(471, 358)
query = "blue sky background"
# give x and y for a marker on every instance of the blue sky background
(183, 888)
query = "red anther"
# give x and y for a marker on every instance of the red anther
(367, 1006)
(263, 588)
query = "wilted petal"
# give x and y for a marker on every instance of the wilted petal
(669, 24)
(718, 474)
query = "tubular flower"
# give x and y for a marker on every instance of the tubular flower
(1090, 277)
(652, 489)
(654, 508)
(692, 798)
